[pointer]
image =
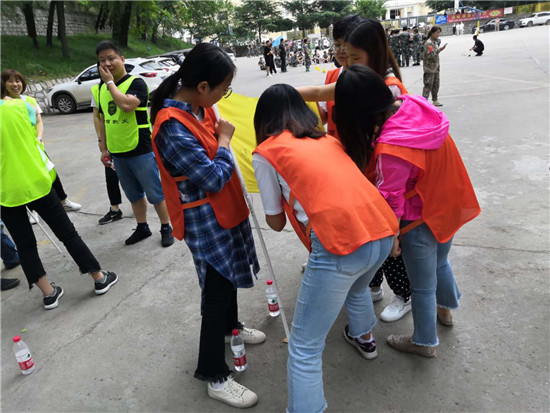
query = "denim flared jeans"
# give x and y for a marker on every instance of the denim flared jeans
(432, 281)
(330, 281)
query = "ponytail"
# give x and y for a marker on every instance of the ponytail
(206, 62)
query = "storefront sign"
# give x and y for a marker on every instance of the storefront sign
(440, 19)
(487, 14)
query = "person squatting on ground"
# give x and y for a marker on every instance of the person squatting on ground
(431, 65)
(111, 178)
(478, 46)
(27, 183)
(367, 45)
(127, 131)
(420, 173)
(207, 206)
(339, 216)
(14, 85)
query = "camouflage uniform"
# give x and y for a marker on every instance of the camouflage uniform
(404, 48)
(394, 46)
(431, 69)
(417, 48)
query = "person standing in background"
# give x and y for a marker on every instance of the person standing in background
(307, 54)
(431, 65)
(269, 59)
(282, 54)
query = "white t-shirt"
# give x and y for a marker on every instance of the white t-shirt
(37, 106)
(272, 186)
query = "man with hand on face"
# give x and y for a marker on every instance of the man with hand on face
(123, 109)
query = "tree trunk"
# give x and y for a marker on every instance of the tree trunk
(101, 16)
(49, 29)
(61, 33)
(154, 33)
(29, 20)
(120, 22)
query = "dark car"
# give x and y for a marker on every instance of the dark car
(490, 26)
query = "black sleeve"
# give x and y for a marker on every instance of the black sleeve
(138, 88)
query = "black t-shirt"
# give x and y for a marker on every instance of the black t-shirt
(479, 45)
(267, 50)
(138, 88)
(282, 50)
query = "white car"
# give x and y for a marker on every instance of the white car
(535, 18)
(70, 96)
(231, 56)
(166, 63)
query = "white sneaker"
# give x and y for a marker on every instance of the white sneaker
(71, 206)
(396, 309)
(304, 266)
(233, 394)
(377, 295)
(249, 336)
(33, 218)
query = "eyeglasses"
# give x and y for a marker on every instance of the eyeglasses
(341, 47)
(227, 92)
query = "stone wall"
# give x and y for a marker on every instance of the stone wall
(74, 23)
(39, 90)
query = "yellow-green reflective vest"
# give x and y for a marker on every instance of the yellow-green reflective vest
(23, 172)
(121, 128)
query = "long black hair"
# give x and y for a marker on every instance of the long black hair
(362, 100)
(282, 108)
(371, 37)
(206, 62)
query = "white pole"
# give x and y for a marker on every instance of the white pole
(248, 198)
(45, 232)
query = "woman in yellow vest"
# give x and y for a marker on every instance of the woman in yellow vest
(26, 183)
(14, 85)
(339, 216)
(206, 206)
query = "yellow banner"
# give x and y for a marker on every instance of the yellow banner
(239, 110)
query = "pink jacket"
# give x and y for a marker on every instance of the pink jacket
(419, 125)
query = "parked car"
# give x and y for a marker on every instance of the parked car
(231, 56)
(491, 24)
(166, 63)
(69, 96)
(535, 18)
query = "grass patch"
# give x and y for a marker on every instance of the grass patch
(48, 63)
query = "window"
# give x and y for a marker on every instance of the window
(128, 67)
(90, 74)
(394, 14)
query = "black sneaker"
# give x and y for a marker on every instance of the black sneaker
(139, 235)
(102, 288)
(367, 350)
(167, 237)
(110, 216)
(52, 302)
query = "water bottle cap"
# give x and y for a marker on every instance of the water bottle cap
(269, 282)
(235, 332)
(16, 339)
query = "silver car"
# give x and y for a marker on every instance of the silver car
(70, 96)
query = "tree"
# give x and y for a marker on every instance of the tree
(260, 16)
(102, 16)
(28, 12)
(49, 27)
(304, 13)
(371, 8)
(121, 12)
(329, 11)
(61, 33)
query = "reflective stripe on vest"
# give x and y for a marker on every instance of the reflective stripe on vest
(228, 204)
(394, 81)
(344, 209)
(121, 128)
(22, 170)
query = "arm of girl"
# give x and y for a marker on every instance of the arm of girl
(39, 127)
(270, 192)
(317, 93)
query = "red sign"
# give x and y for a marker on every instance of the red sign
(487, 14)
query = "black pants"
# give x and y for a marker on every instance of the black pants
(113, 190)
(270, 64)
(283, 63)
(219, 318)
(396, 276)
(58, 187)
(478, 52)
(52, 212)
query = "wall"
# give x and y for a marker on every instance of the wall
(39, 90)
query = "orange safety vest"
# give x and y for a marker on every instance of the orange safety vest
(229, 204)
(448, 198)
(394, 81)
(344, 209)
(332, 77)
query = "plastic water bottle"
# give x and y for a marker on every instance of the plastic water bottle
(23, 356)
(272, 300)
(239, 353)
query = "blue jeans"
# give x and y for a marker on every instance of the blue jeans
(432, 281)
(139, 176)
(329, 282)
(9, 253)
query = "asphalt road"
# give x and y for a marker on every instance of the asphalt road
(135, 349)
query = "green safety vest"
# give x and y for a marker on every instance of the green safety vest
(23, 171)
(121, 128)
(49, 164)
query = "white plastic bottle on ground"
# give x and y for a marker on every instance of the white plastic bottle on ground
(239, 353)
(272, 300)
(23, 356)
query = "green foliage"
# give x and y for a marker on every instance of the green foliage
(44, 63)
(371, 8)
(305, 13)
(329, 11)
(256, 17)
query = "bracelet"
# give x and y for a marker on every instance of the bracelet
(109, 82)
